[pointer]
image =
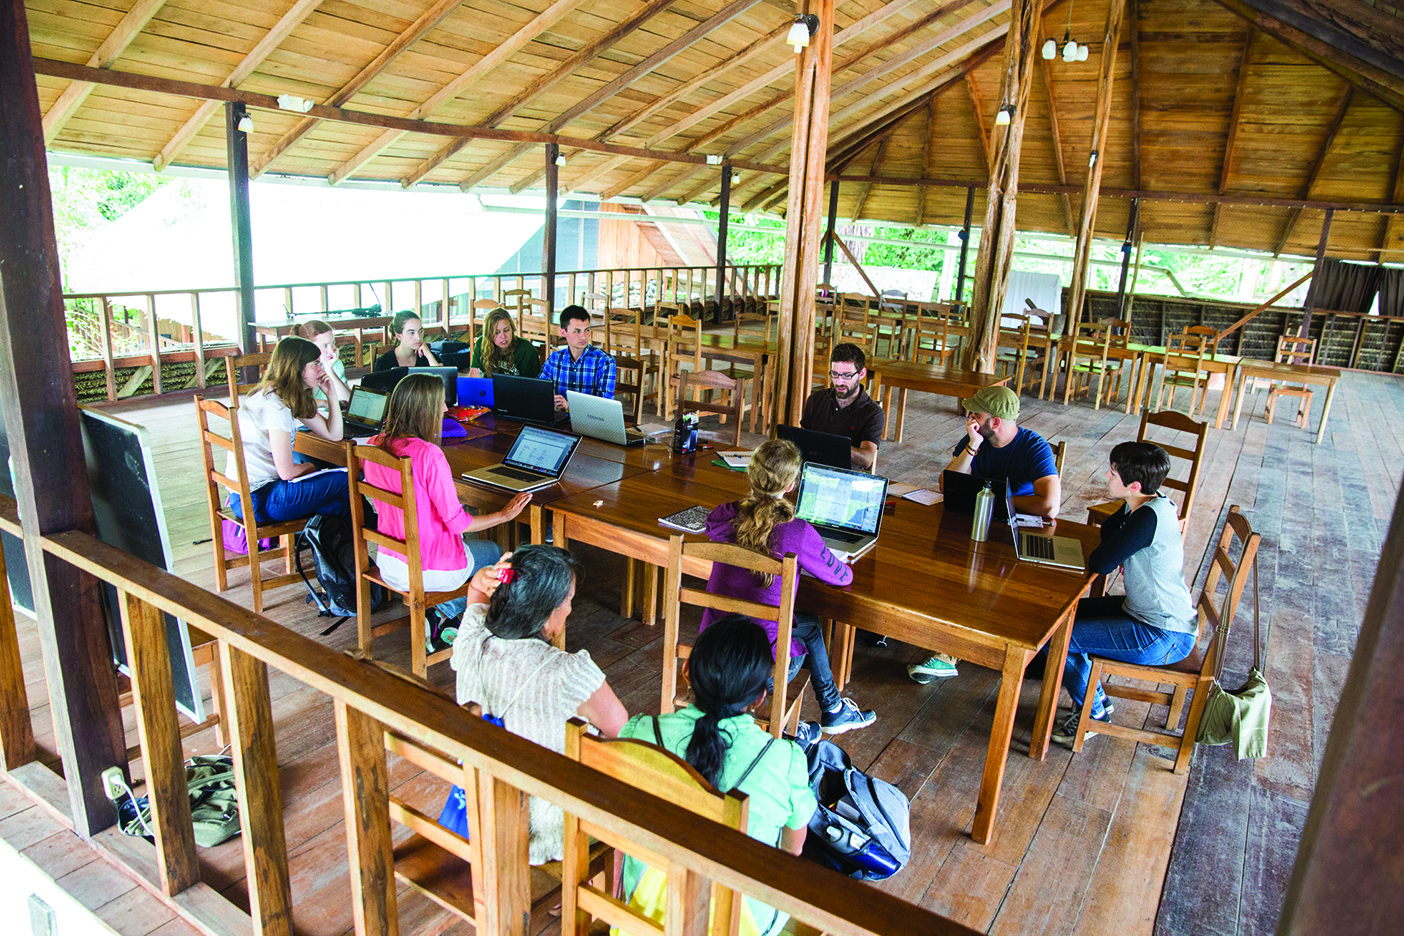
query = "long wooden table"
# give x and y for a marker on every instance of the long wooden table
(1314, 374)
(1215, 364)
(925, 583)
(902, 376)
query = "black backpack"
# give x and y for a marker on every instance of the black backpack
(333, 548)
(862, 827)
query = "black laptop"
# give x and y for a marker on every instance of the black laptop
(449, 376)
(527, 399)
(822, 448)
(385, 380)
(958, 493)
(365, 412)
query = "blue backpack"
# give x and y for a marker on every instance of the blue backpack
(862, 827)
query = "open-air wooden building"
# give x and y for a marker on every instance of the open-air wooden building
(1263, 125)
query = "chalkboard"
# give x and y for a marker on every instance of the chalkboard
(127, 512)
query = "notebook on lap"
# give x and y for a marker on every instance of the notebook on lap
(527, 399)
(844, 506)
(365, 412)
(600, 418)
(537, 459)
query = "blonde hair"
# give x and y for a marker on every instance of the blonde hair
(414, 411)
(774, 467)
(489, 353)
(284, 375)
(311, 329)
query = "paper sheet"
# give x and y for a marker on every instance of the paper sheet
(924, 497)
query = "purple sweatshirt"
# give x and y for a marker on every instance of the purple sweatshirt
(795, 536)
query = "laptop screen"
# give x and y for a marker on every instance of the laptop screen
(365, 407)
(849, 500)
(449, 375)
(541, 450)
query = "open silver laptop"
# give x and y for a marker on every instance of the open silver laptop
(600, 418)
(1063, 552)
(536, 460)
(844, 506)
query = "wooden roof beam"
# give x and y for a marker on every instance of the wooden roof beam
(1226, 168)
(1056, 135)
(427, 21)
(867, 187)
(1392, 237)
(982, 133)
(246, 67)
(73, 96)
(1361, 44)
(1134, 15)
(1320, 160)
(926, 155)
(518, 41)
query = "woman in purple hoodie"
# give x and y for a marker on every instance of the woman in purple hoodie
(766, 522)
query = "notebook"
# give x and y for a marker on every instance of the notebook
(528, 399)
(826, 448)
(365, 412)
(537, 459)
(844, 506)
(600, 418)
(691, 520)
(1063, 552)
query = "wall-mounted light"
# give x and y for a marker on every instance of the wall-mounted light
(1050, 48)
(735, 178)
(560, 159)
(1004, 115)
(1082, 53)
(291, 102)
(1092, 159)
(804, 26)
(713, 159)
(245, 124)
(1070, 50)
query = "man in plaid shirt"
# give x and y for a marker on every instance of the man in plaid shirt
(579, 366)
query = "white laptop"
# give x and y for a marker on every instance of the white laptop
(844, 506)
(537, 459)
(1063, 552)
(600, 418)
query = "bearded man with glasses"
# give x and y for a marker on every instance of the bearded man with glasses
(844, 407)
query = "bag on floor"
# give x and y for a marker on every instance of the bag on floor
(333, 547)
(862, 827)
(236, 541)
(214, 802)
(1240, 717)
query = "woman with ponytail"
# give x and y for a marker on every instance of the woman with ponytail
(728, 672)
(765, 522)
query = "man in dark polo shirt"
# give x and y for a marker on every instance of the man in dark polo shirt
(844, 408)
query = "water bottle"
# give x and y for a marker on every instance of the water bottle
(984, 510)
(685, 433)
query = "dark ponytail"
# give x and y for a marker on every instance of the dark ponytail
(728, 669)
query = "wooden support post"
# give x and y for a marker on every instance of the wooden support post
(260, 800)
(241, 227)
(16, 729)
(548, 249)
(40, 422)
(997, 236)
(1310, 304)
(829, 234)
(809, 144)
(1133, 218)
(959, 295)
(365, 793)
(1082, 251)
(506, 883)
(724, 217)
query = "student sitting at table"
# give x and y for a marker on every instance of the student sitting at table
(412, 425)
(498, 350)
(845, 408)
(320, 334)
(411, 350)
(1155, 622)
(765, 522)
(505, 662)
(579, 366)
(728, 673)
(268, 416)
(994, 446)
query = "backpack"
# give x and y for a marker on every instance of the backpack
(214, 802)
(862, 826)
(333, 547)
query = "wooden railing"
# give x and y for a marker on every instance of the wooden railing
(171, 326)
(371, 703)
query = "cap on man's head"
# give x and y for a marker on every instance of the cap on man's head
(997, 401)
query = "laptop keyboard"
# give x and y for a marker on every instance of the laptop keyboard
(517, 473)
(1039, 547)
(843, 536)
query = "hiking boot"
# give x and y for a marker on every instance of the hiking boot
(1066, 733)
(937, 666)
(848, 717)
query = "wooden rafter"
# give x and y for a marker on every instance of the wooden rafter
(110, 51)
(1348, 92)
(1226, 168)
(427, 21)
(982, 133)
(1055, 137)
(1134, 16)
(867, 187)
(546, 81)
(265, 47)
(927, 152)
(1392, 237)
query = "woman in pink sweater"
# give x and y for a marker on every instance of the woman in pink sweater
(412, 427)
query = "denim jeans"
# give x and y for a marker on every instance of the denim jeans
(816, 658)
(1103, 629)
(481, 552)
(277, 501)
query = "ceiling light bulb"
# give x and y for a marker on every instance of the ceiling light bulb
(798, 35)
(1050, 48)
(1082, 53)
(1002, 115)
(560, 159)
(245, 124)
(1092, 159)
(735, 178)
(1070, 51)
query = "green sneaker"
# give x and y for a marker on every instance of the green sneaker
(938, 666)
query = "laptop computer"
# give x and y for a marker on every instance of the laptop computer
(537, 459)
(825, 448)
(527, 399)
(600, 418)
(475, 391)
(386, 380)
(449, 375)
(959, 492)
(365, 412)
(844, 506)
(1063, 552)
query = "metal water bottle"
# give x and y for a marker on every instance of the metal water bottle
(984, 510)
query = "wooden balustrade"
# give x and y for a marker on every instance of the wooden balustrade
(371, 704)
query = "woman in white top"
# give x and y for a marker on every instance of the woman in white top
(268, 416)
(505, 662)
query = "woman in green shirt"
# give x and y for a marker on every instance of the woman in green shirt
(498, 350)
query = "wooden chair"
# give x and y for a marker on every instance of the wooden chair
(1175, 423)
(629, 380)
(1012, 348)
(1092, 344)
(415, 597)
(853, 323)
(234, 366)
(654, 770)
(784, 699)
(700, 383)
(1182, 365)
(285, 532)
(931, 341)
(684, 350)
(534, 325)
(753, 326)
(1293, 350)
(1060, 455)
(1195, 672)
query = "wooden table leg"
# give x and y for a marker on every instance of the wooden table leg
(1052, 682)
(901, 412)
(1242, 380)
(997, 754)
(538, 524)
(840, 653)
(650, 594)
(1223, 410)
(1326, 410)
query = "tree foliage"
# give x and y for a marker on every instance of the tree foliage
(88, 198)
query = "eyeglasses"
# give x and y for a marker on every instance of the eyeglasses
(842, 375)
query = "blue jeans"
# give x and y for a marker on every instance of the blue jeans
(1102, 628)
(481, 552)
(277, 501)
(815, 658)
